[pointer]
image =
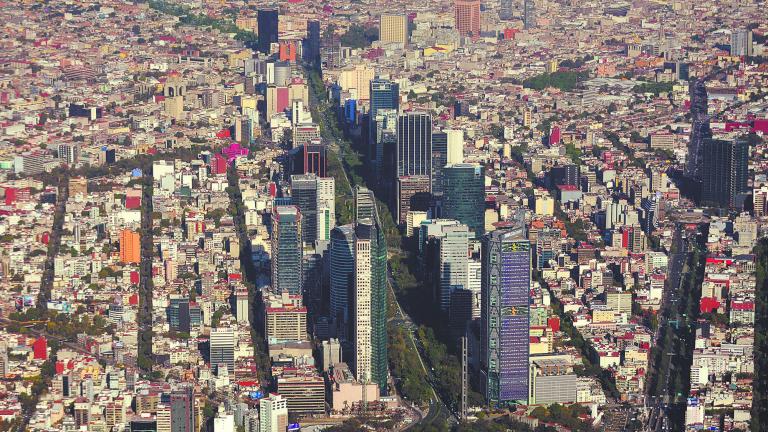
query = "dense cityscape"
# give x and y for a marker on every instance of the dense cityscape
(383, 215)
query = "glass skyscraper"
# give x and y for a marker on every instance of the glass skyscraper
(414, 144)
(287, 250)
(464, 195)
(342, 261)
(725, 173)
(268, 29)
(505, 343)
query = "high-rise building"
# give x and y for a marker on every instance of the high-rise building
(222, 348)
(504, 314)
(342, 262)
(384, 94)
(183, 409)
(567, 174)
(273, 414)
(287, 250)
(383, 139)
(414, 144)
(412, 195)
(725, 172)
(130, 246)
(448, 243)
(69, 153)
(506, 10)
(700, 129)
(242, 306)
(304, 196)
(311, 47)
(370, 241)
(268, 29)
(361, 335)
(464, 195)
(467, 16)
(439, 160)
(287, 323)
(393, 28)
(529, 14)
(741, 42)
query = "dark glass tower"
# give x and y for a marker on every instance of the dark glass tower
(414, 144)
(304, 195)
(700, 129)
(529, 14)
(506, 11)
(342, 262)
(268, 29)
(439, 159)
(504, 315)
(312, 44)
(384, 94)
(464, 196)
(724, 173)
(287, 250)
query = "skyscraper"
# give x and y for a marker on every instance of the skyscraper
(273, 414)
(315, 197)
(342, 262)
(467, 16)
(412, 195)
(311, 47)
(505, 344)
(268, 29)
(183, 409)
(362, 326)
(130, 246)
(393, 28)
(448, 243)
(439, 160)
(505, 10)
(287, 250)
(384, 94)
(741, 42)
(700, 129)
(373, 244)
(222, 348)
(529, 14)
(414, 144)
(464, 195)
(724, 173)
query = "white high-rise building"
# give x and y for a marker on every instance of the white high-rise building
(163, 418)
(273, 414)
(455, 146)
(222, 348)
(362, 302)
(326, 207)
(224, 421)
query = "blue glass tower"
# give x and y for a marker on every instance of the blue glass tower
(505, 343)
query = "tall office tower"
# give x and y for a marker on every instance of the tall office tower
(183, 409)
(361, 335)
(242, 306)
(311, 47)
(69, 153)
(464, 195)
(453, 253)
(455, 146)
(304, 196)
(565, 175)
(383, 133)
(273, 414)
(287, 250)
(414, 144)
(439, 160)
(384, 94)
(741, 42)
(366, 212)
(3, 359)
(504, 314)
(268, 29)
(130, 246)
(365, 203)
(326, 207)
(529, 14)
(342, 262)
(222, 349)
(700, 129)
(163, 418)
(467, 15)
(506, 10)
(393, 28)
(412, 195)
(724, 173)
